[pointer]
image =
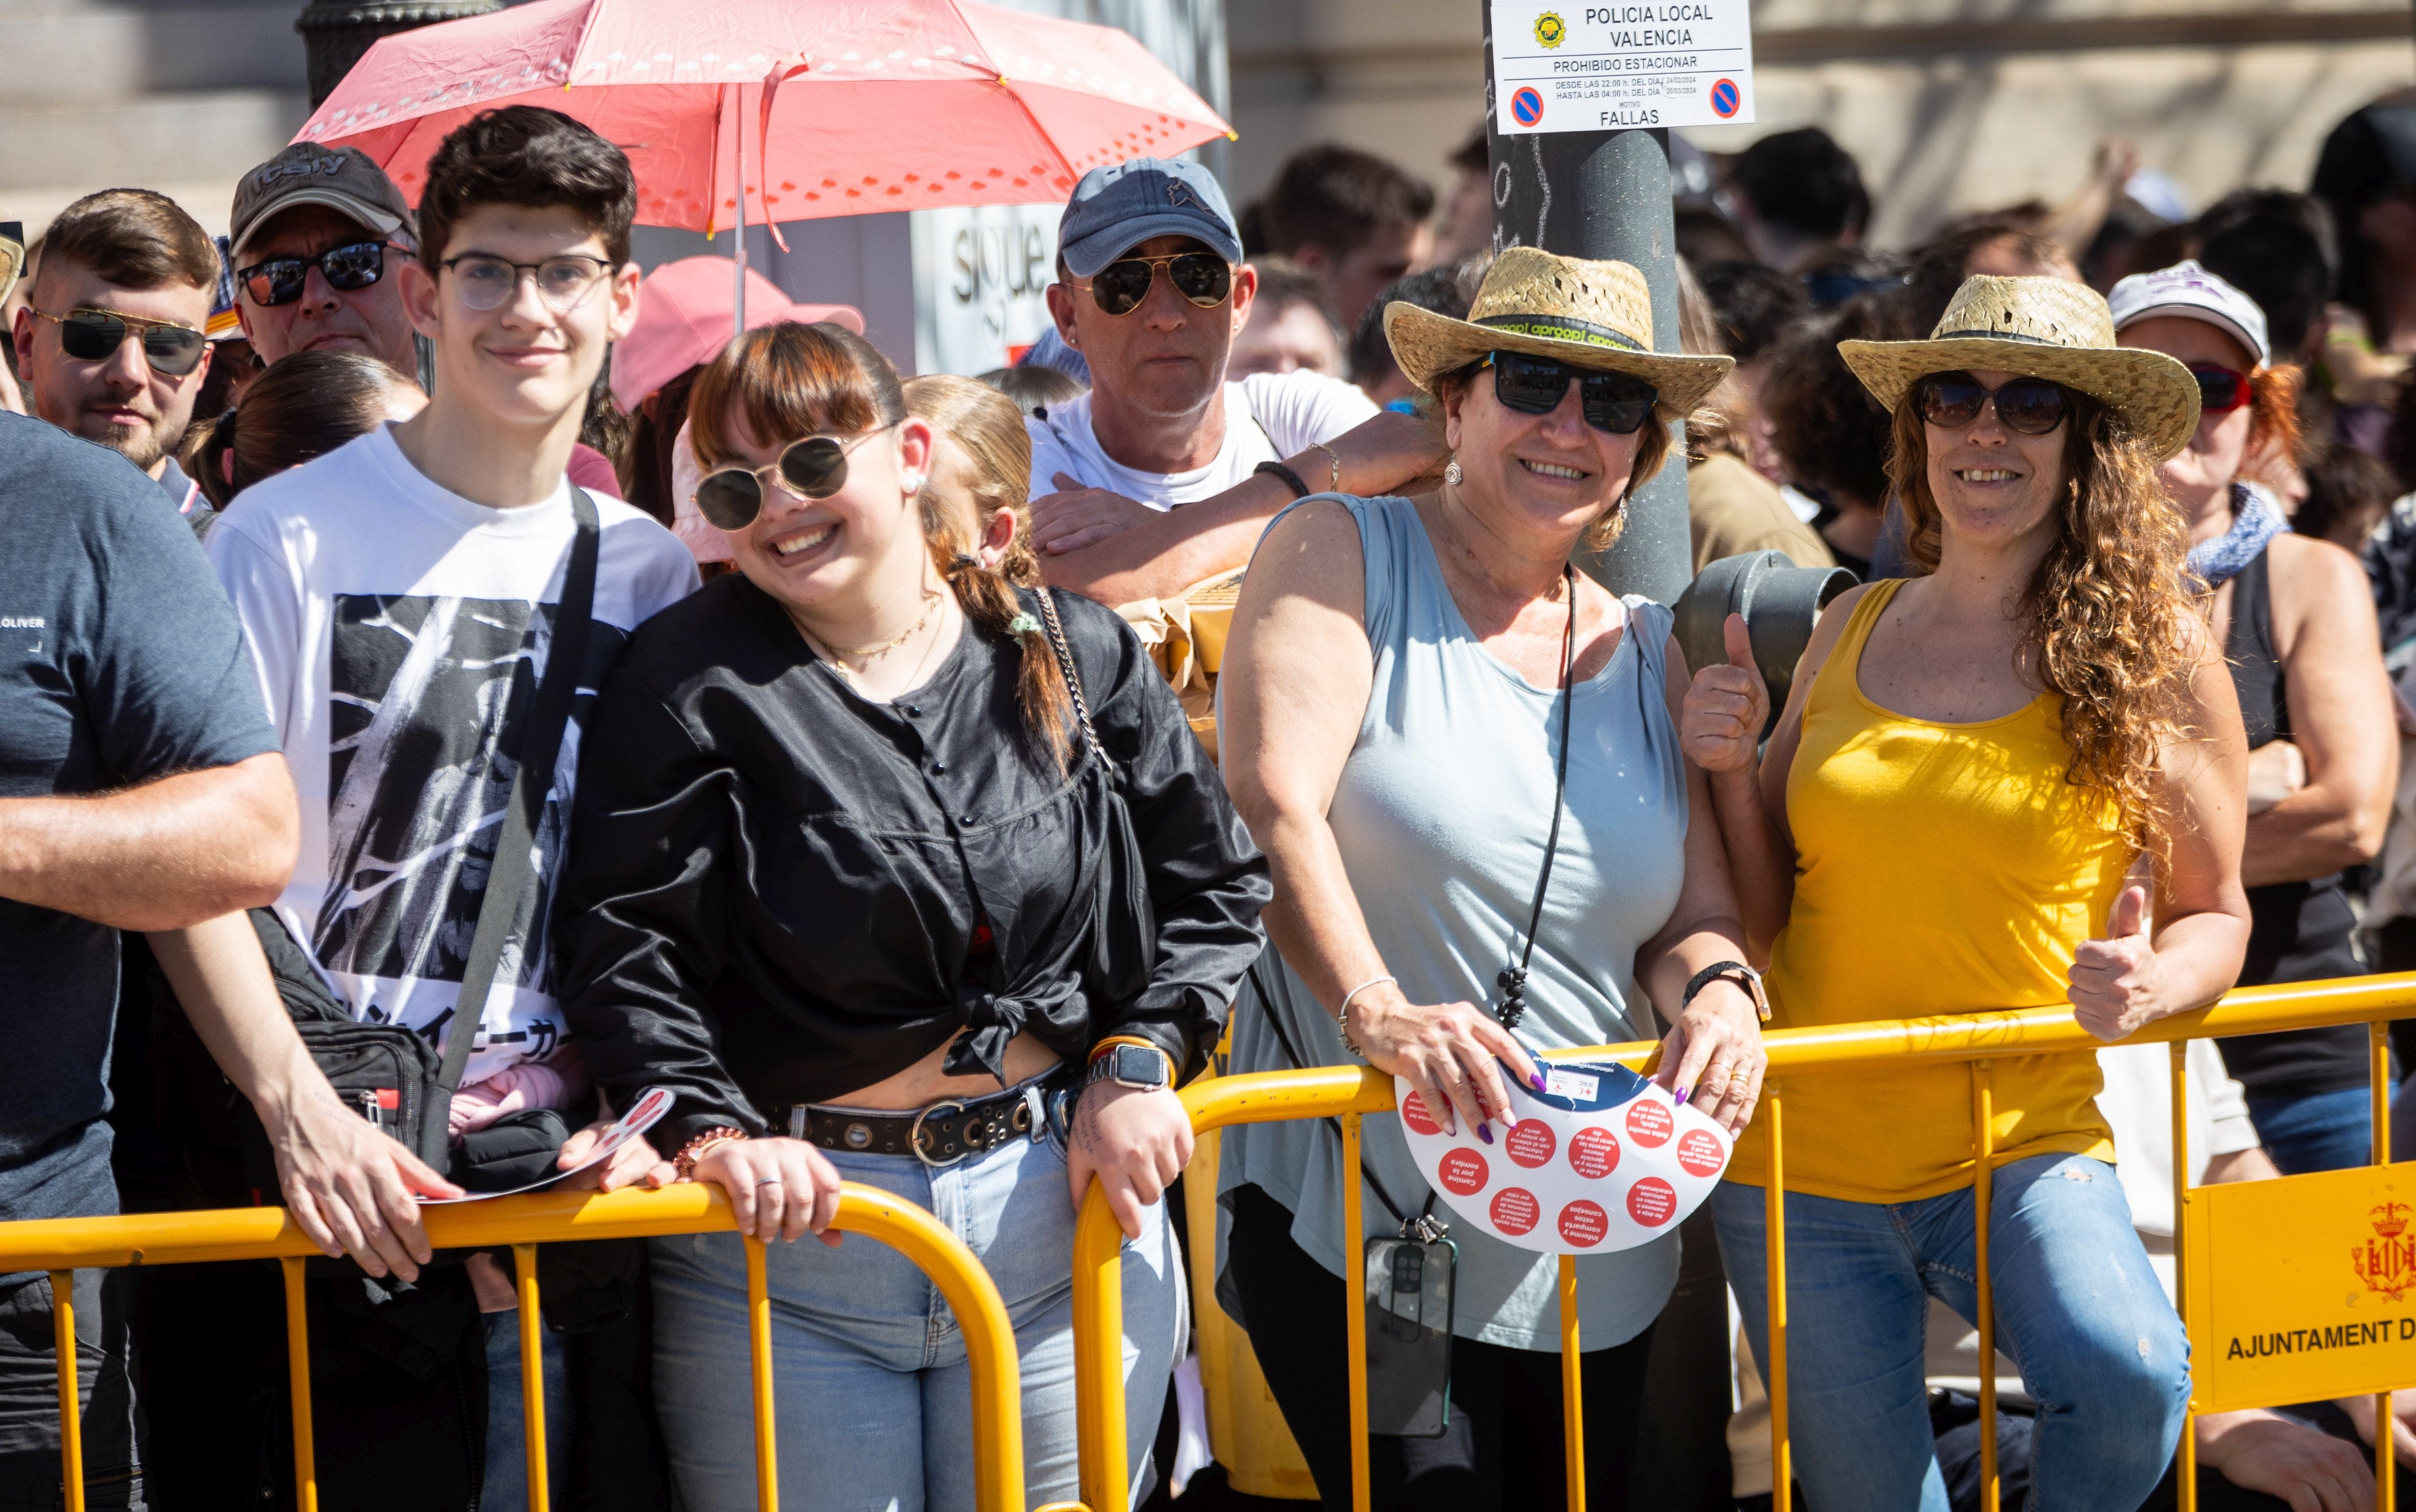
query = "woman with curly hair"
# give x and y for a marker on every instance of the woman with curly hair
(1970, 762)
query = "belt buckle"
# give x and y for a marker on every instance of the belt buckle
(914, 1133)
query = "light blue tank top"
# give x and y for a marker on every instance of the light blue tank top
(1441, 816)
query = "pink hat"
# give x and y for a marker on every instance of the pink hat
(684, 322)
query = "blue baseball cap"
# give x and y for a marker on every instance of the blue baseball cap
(1115, 209)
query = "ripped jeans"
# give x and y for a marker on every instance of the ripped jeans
(2078, 1308)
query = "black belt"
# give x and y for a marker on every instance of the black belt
(948, 1131)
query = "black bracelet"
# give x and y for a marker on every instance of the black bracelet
(1299, 488)
(1736, 971)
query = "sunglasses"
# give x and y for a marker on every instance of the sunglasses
(1203, 278)
(2027, 407)
(96, 335)
(731, 498)
(348, 269)
(484, 282)
(2221, 391)
(1614, 403)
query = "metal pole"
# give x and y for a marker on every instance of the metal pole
(1605, 194)
(738, 252)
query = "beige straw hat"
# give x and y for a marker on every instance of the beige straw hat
(1594, 315)
(2049, 328)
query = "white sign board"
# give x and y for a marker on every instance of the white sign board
(981, 281)
(1637, 62)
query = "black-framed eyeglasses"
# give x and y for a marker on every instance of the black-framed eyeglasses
(348, 269)
(814, 467)
(2026, 406)
(486, 283)
(1615, 403)
(1203, 278)
(96, 335)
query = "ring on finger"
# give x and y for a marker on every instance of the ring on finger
(769, 1181)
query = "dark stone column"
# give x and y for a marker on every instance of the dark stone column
(338, 31)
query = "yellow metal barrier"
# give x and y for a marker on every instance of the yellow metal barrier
(64, 1246)
(1349, 1092)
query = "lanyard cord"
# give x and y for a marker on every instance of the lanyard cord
(1513, 980)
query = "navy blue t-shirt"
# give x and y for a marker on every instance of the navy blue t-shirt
(120, 662)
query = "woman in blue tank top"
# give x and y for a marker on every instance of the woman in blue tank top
(1396, 695)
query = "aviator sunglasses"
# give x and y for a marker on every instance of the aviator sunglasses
(1614, 403)
(814, 468)
(95, 335)
(348, 269)
(2027, 407)
(1202, 278)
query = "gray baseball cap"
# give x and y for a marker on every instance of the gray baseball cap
(344, 179)
(1115, 209)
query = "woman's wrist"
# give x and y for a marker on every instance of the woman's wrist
(684, 1163)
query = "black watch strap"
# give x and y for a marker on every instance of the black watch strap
(1735, 971)
(1300, 489)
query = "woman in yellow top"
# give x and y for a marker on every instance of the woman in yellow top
(1970, 763)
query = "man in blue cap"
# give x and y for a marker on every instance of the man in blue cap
(1164, 474)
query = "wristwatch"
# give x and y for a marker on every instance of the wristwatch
(1132, 1065)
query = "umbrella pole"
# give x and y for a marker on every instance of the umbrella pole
(738, 256)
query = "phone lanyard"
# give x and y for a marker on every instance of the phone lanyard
(1513, 980)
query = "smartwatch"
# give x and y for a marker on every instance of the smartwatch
(1143, 1066)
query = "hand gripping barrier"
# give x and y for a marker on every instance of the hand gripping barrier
(64, 1246)
(1348, 1093)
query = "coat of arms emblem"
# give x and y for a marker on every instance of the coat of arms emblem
(2387, 1261)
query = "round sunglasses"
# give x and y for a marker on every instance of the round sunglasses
(2027, 407)
(96, 335)
(1615, 403)
(348, 269)
(815, 467)
(1203, 278)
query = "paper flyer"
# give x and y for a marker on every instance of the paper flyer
(643, 1114)
(1601, 1159)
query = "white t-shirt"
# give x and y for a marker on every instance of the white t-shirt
(1268, 418)
(395, 628)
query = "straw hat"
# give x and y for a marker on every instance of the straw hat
(2049, 328)
(1594, 315)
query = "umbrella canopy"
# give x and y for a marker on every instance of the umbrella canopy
(817, 108)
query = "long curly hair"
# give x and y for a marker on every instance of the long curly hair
(2111, 621)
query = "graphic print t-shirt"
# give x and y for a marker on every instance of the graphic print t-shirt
(399, 632)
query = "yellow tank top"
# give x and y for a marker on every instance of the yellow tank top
(1940, 869)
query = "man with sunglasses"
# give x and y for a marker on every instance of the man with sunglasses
(318, 232)
(1164, 473)
(112, 338)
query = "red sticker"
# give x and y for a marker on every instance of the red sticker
(1515, 1210)
(1702, 1153)
(1463, 1172)
(1413, 1112)
(1593, 1153)
(1651, 1201)
(1532, 1142)
(1649, 1122)
(1583, 1224)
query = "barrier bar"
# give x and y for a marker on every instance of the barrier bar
(532, 1375)
(759, 1360)
(1983, 1151)
(297, 1368)
(62, 1344)
(1572, 1386)
(1774, 1204)
(2378, 1040)
(2186, 1462)
(1354, 1308)
(1099, 1379)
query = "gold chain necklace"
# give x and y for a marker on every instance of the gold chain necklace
(840, 657)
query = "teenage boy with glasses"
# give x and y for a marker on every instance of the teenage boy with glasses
(111, 337)
(1164, 473)
(398, 598)
(317, 235)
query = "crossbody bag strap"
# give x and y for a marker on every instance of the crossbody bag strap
(509, 878)
(1064, 649)
(1283, 1041)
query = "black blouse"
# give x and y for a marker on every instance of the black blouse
(780, 892)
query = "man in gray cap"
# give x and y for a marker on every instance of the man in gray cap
(1164, 473)
(317, 233)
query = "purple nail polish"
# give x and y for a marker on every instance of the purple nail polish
(1681, 1096)
(1536, 1082)
(1485, 1132)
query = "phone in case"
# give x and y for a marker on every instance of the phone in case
(1409, 1334)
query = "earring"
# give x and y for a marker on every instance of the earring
(914, 482)
(1452, 475)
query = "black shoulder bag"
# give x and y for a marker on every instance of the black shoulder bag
(388, 1071)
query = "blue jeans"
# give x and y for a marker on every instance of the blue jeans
(874, 1397)
(2077, 1309)
(506, 1482)
(2329, 1131)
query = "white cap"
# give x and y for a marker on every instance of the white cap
(2190, 291)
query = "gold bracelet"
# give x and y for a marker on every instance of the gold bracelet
(1336, 457)
(684, 1163)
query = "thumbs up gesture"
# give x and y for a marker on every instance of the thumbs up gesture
(1720, 723)
(2115, 980)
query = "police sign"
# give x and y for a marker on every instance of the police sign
(1635, 62)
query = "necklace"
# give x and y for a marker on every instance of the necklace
(840, 657)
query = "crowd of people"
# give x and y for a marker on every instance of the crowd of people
(462, 685)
